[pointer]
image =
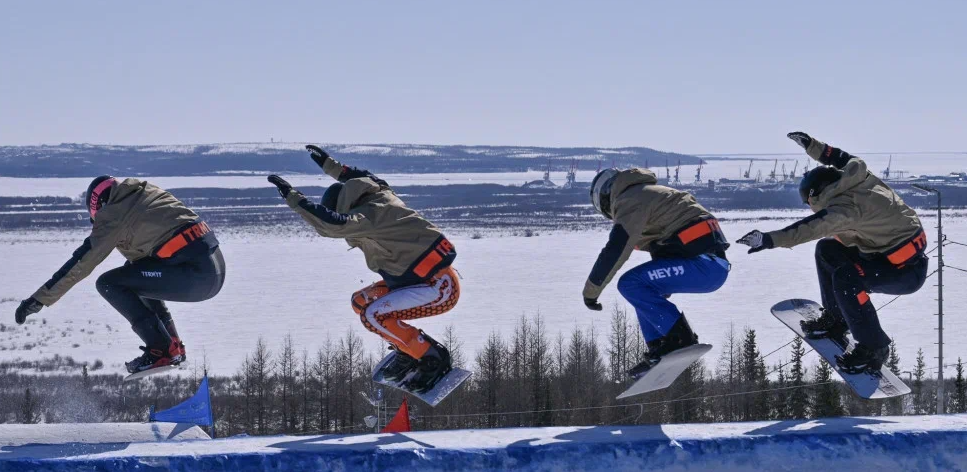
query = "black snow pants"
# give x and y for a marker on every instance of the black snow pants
(139, 290)
(846, 278)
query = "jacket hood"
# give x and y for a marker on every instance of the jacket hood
(124, 189)
(630, 178)
(353, 191)
(854, 173)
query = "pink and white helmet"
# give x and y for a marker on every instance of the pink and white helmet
(98, 193)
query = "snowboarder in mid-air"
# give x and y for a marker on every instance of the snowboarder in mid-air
(687, 249)
(869, 241)
(410, 254)
(172, 255)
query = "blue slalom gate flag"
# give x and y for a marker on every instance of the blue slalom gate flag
(195, 410)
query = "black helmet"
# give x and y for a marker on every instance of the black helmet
(98, 193)
(815, 181)
(601, 191)
(331, 197)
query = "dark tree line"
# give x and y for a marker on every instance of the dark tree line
(529, 377)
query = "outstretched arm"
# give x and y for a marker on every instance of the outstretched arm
(828, 222)
(820, 151)
(92, 252)
(325, 221)
(339, 171)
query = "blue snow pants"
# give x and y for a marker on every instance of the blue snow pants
(648, 286)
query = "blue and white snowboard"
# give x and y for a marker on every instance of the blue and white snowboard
(882, 384)
(664, 373)
(435, 395)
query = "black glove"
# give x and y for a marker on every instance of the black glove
(757, 241)
(800, 138)
(283, 186)
(592, 304)
(27, 308)
(317, 154)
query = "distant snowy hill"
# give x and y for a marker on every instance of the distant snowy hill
(81, 160)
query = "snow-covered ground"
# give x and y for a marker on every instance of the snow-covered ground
(884, 444)
(282, 283)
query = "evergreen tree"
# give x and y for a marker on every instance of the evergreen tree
(28, 408)
(894, 406)
(919, 372)
(798, 396)
(960, 389)
(780, 398)
(893, 363)
(828, 402)
(689, 385)
(754, 405)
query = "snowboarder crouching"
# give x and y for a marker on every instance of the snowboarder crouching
(172, 255)
(410, 254)
(869, 241)
(687, 247)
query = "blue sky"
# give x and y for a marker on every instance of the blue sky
(689, 76)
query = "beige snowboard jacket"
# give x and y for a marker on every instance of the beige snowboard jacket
(648, 217)
(398, 243)
(859, 209)
(137, 220)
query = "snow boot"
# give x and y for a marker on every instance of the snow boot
(433, 366)
(680, 336)
(861, 359)
(828, 325)
(153, 358)
(399, 366)
(178, 349)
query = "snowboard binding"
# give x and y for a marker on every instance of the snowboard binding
(399, 366)
(861, 359)
(433, 366)
(679, 337)
(827, 325)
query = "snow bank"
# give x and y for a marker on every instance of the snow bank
(882, 444)
(15, 435)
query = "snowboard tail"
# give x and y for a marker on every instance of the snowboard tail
(664, 373)
(870, 385)
(444, 387)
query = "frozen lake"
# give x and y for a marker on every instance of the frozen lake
(282, 282)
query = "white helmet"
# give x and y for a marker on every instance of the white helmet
(601, 191)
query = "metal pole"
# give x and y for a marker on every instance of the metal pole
(941, 407)
(940, 240)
